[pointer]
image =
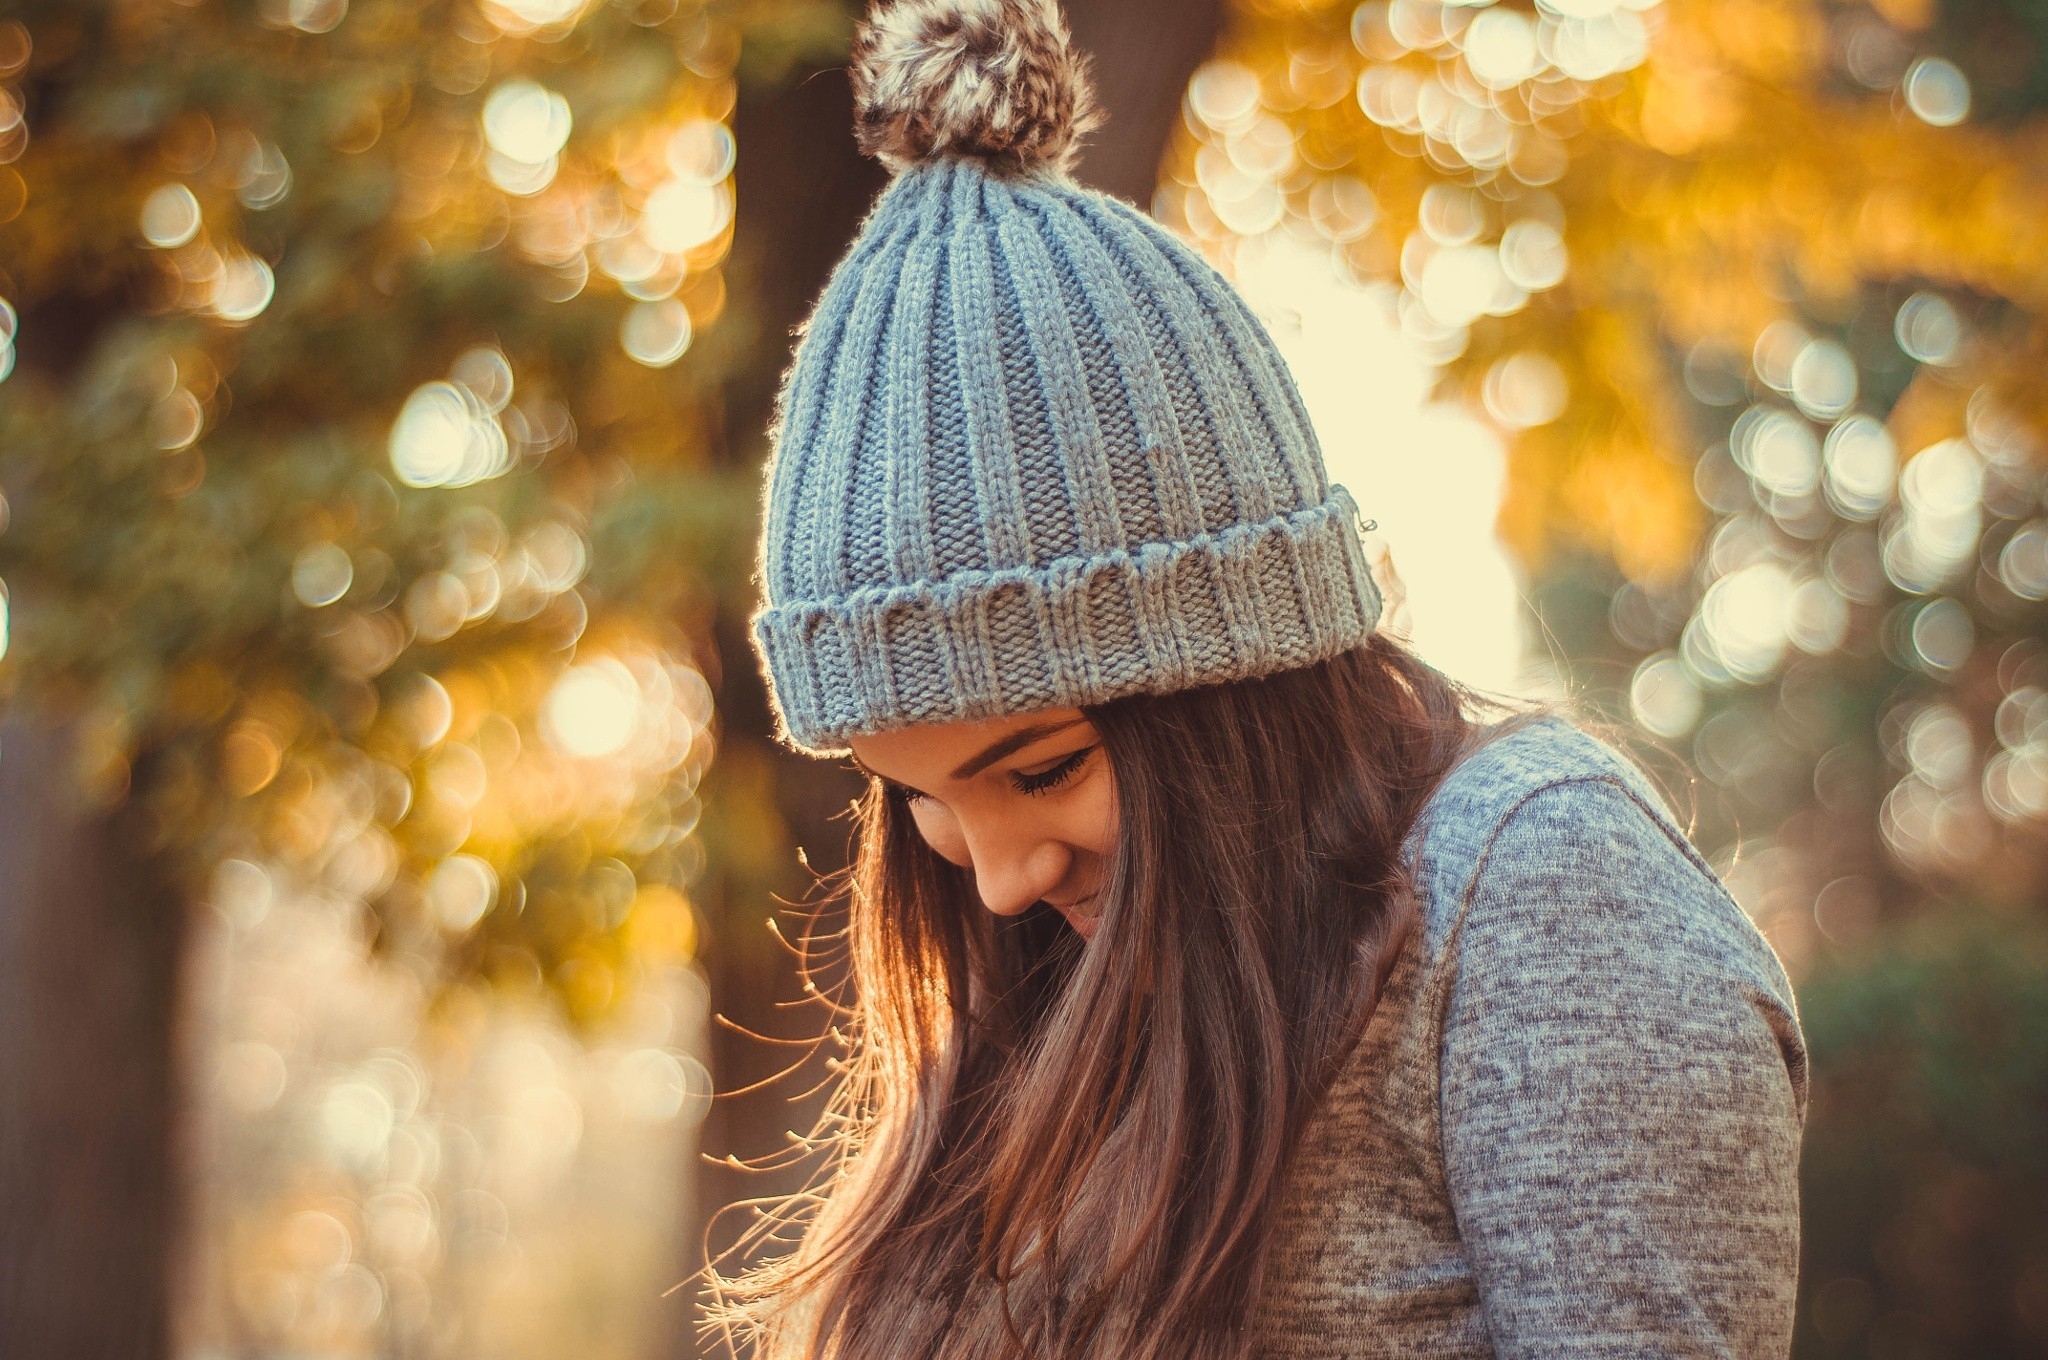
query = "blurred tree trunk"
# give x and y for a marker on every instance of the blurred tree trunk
(1144, 51)
(90, 943)
(803, 191)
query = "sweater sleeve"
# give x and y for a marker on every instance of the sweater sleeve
(1623, 1086)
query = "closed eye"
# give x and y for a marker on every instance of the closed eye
(1050, 778)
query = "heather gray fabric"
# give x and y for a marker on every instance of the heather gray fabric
(1035, 452)
(1572, 1127)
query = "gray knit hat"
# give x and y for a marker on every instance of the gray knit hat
(1032, 451)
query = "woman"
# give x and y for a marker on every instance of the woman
(1224, 985)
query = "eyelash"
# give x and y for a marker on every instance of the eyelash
(1031, 785)
(1046, 781)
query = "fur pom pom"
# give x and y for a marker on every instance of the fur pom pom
(996, 81)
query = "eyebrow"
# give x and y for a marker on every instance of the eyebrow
(1010, 745)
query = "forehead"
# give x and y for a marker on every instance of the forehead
(933, 749)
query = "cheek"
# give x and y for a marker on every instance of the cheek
(1093, 823)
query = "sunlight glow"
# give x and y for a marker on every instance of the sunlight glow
(593, 710)
(526, 125)
(1428, 472)
(170, 216)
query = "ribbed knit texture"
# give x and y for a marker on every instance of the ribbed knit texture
(1035, 452)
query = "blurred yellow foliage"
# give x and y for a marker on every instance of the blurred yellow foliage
(1712, 169)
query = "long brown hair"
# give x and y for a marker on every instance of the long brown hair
(1040, 1149)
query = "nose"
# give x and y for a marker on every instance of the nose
(1011, 879)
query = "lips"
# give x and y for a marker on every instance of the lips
(1080, 915)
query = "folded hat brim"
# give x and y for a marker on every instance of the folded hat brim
(1245, 601)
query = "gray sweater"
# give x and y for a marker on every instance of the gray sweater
(1572, 1126)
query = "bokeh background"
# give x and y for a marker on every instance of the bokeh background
(393, 858)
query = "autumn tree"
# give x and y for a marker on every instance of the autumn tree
(368, 511)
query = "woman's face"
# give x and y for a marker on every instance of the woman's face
(1027, 804)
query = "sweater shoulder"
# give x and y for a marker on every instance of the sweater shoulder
(1576, 775)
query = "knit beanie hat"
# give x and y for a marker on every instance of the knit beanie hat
(1032, 451)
